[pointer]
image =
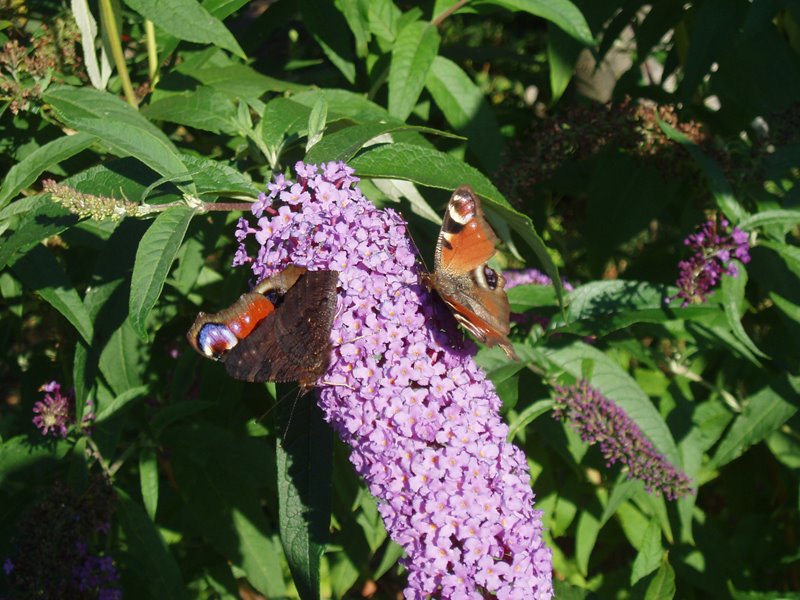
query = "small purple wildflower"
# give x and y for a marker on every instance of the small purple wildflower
(54, 412)
(599, 420)
(714, 248)
(8, 566)
(404, 392)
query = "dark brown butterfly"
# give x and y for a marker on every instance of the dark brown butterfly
(278, 332)
(468, 285)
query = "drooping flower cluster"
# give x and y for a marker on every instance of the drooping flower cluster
(56, 550)
(89, 205)
(599, 421)
(714, 249)
(55, 413)
(403, 391)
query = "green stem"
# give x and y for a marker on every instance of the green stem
(152, 52)
(110, 24)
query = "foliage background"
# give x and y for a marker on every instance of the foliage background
(702, 118)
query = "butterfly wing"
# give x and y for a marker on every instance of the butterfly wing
(293, 343)
(472, 289)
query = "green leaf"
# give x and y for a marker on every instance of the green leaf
(560, 12)
(188, 20)
(790, 309)
(121, 401)
(525, 297)
(790, 218)
(120, 127)
(562, 56)
(218, 178)
(345, 143)
(26, 171)
(527, 416)
(157, 569)
(330, 29)
(764, 412)
(202, 108)
(283, 119)
(733, 302)
(790, 254)
(616, 385)
(316, 121)
(390, 557)
(601, 307)
(717, 183)
(466, 109)
(585, 538)
(304, 479)
(412, 57)
(157, 251)
(40, 272)
(224, 475)
(45, 220)
(240, 82)
(148, 480)
(650, 553)
(32, 462)
(121, 359)
(430, 167)
(662, 585)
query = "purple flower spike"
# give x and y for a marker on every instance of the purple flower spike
(531, 277)
(403, 391)
(714, 249)
(53, 413)
(599, 421)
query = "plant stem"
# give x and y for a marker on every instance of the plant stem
(152, 52)
(110, 24)
(438, 20)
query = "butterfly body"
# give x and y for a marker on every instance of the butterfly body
(278, 332)
(462, 277)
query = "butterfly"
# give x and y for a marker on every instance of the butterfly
(280, 331)
(461, 276)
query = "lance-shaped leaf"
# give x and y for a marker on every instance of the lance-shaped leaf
(157, 251)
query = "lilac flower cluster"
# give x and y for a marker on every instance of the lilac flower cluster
(531, 277)
(714, 248)
(54, 414)
(600, 421)
(403, 391)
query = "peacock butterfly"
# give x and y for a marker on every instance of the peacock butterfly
(461, 276)
(280, 331)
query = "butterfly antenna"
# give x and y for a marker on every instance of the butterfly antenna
(291, 415)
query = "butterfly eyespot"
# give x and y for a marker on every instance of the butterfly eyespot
(491, 277)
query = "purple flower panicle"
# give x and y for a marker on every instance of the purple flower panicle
(54, 412)
(531, 277)
(714, 249)
(599, 421)
(404, 392)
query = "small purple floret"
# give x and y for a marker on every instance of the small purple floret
(599, 421)
(404, 392)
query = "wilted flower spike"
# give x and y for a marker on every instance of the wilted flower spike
(714, 249)
(53, 413)
(599, 421)
(420, 416)
(89, 205)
